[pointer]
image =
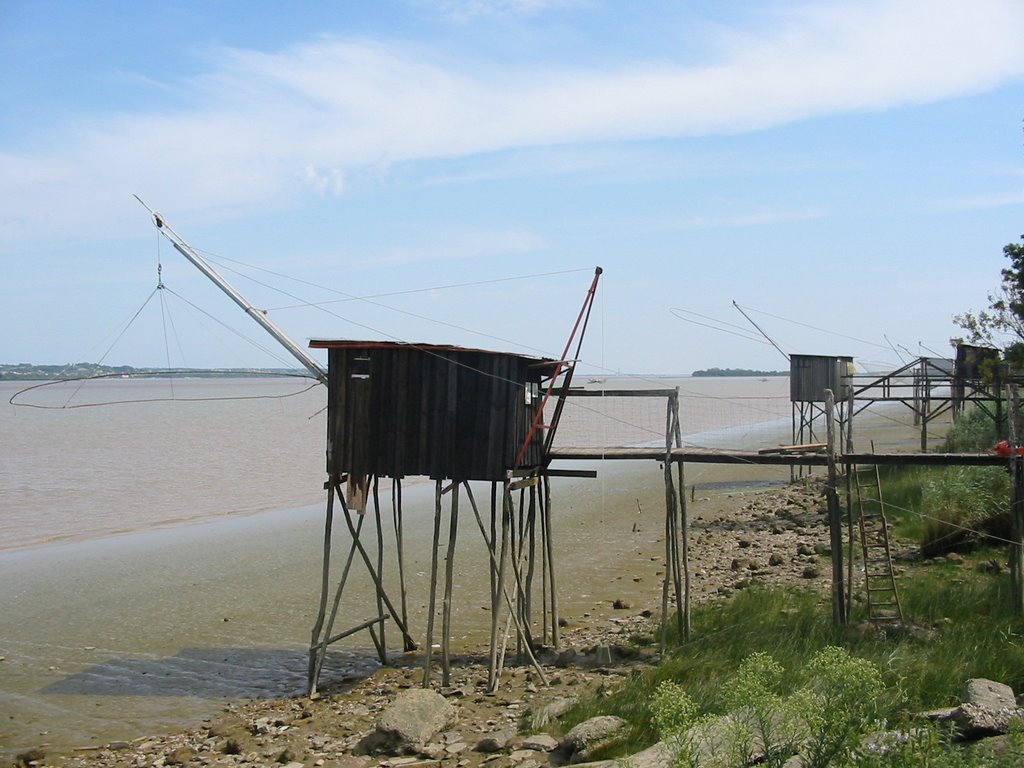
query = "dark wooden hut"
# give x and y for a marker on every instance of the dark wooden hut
(811, 375)
(397, 409)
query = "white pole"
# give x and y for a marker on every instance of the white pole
(256, 314)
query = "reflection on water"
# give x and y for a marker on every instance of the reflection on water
(219, 673)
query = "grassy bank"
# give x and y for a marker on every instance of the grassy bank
(959, 625)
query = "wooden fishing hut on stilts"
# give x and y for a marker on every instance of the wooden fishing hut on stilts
(454, 415)
(809, 378)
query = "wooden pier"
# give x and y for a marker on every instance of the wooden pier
(780, 458)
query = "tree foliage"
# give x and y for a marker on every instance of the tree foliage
(1002, 323)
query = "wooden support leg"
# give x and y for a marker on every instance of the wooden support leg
(324, 586)
(432, 602)
(409, 643)
(380, 550)
(551, 563)
(497, 657)
(396, 515)
(495, 669)
(321, 653)
(449, 576)
(531, 555)
(685, 525)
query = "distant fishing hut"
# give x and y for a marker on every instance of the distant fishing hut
(809, 377)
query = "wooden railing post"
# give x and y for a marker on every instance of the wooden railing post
(835, 521)
(1016, 504)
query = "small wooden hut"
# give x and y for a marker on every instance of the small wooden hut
(454, 415)
(396, 409)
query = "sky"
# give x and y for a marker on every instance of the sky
(452, 172)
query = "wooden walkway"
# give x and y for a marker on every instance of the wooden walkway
(819, 459)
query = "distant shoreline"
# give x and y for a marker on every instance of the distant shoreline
(736, 372)
(31, 372)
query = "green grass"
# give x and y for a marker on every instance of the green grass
(964, 628)
(947, 509)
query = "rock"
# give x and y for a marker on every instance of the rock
(804, 549)
(415, 716)
(584, 739)
(497, 741)
(603, 655)
(776, 560)
(180, 756)
(621, 605)
(810, 572)
(31, 756)
(539, 742)
(551, 711)
(974, 721)
(656, 756)
(988, 693)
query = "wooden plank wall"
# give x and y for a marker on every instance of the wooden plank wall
(450, 413)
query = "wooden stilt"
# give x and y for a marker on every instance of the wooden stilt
(687, 581)
(498, 658)
(493, 539)
(506, 513)
(531, 555)
(1016, 505)
(542, 528)
(517, 570)
(663, 634)
(449, 575)
(409, 643)
(684, 519)
(834, 516)
(321, 650)
(324, 586)
(550, 554)
(433, 586)
(667, 581)
(396, 514)
(380, 552)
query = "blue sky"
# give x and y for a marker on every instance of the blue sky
(847, 172)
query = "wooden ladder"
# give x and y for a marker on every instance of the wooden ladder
(883, 601)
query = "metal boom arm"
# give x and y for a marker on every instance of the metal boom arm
(256, 314)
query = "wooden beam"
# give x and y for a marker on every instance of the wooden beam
(589, 473)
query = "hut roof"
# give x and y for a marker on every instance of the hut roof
(352, 344)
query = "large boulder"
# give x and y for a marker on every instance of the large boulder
(580, 743)
(988, 708)
(412, 720)
(988, 693)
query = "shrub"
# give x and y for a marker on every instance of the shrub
(962, 504)
(838, 703)
(973, 430)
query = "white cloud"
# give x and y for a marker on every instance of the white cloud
(465, 10)
(329, 181)
(268, 127)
